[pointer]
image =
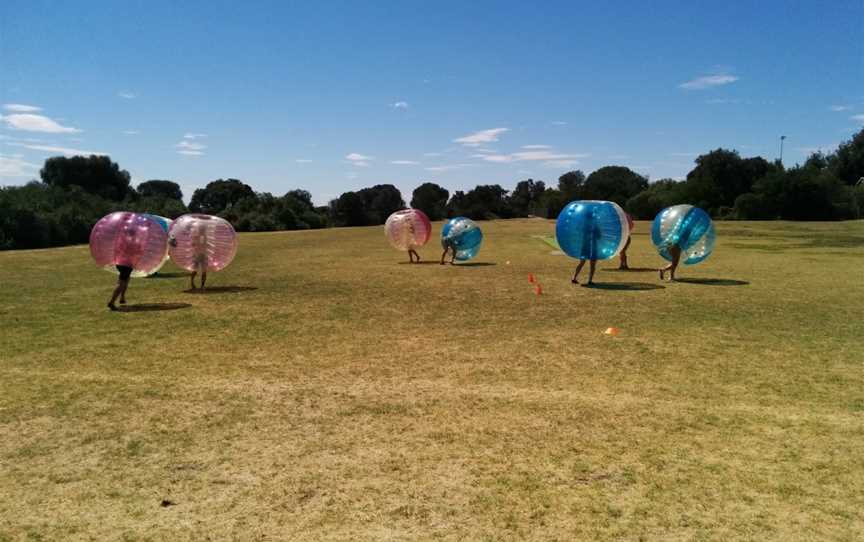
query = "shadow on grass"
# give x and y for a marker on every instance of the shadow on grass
(220, 290)
(168, 275)
(631, 270)
(713, 282)
(625, 286)
(474, 264)
(148, 307)
(421, 262)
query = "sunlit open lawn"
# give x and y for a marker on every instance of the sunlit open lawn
(325, 389)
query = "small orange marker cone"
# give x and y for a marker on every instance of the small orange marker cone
(614, 331)
(531, 278)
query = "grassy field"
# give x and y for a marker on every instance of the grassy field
(324, 389)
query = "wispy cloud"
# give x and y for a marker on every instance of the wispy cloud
(187, 148)
(14, 166)
(559, 123)
(404, 162)
(857, 118)
(131, 132)
(36, 123)
(708, 81)
(483, 136)
(21, 108)
(549, 159)
(125, 94)
(56, 149)
(303, 161)
(399, 105)
(730, 101)
(838, 108)
(357, 159)
(536, 147)
(193, 136)
(446, 168)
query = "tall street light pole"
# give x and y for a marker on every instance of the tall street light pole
(781, 149)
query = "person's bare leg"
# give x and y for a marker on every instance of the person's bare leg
(119, 290)
(416, 256)
(675, 252)
(203, 278)
(623, 262)
(579, 266)
(444, 255)
(591, 270)
(192, 280)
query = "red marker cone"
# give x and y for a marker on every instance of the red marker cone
(531, 278)
(538, 289)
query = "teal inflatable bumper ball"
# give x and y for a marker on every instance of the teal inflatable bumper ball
(592, 230)
(688, 227)
(464, 235)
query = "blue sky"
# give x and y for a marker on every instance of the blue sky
(335, 96)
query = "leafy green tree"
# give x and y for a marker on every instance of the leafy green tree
(431, 199)
(613, 183)
(570, 186)
(525, 199)
(94, 174)
(380, 201)
(661, 194)
(847, 163)
(160, 189)
(219, 195)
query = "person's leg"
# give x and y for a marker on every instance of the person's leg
(676, 259)
(452, 255)
(416, 256)
(203, 278)
(444, 254)
(192, 279)
(123, 285)
(591, 270)
(623, 263)
(579, 266)
(119, 290)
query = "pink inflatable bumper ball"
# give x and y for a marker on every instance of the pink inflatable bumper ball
(129, 239)
(408, 229)
(202, 243)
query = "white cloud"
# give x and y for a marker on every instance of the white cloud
(551, 159)
(186, 146)
(708, 81)
(357, 159)
(483, 136)
(559, 123)
(14, 166)
(127, 95)
(56, 149)
(399, 105)
(536, 147)
(21, 108)
(193, 136)
(485, 150)
(858, 118)
(446, 168)
(840, 107)
(302, 161)
(131, 132)
(36, 123)
(405, 162)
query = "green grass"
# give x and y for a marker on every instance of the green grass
(352, 396)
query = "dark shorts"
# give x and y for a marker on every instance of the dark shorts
(125, 272)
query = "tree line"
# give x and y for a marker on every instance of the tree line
(74, 192)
